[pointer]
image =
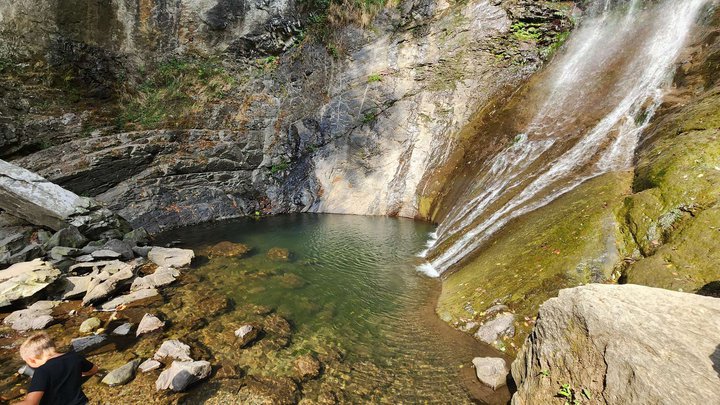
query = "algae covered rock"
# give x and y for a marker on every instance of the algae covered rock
(278, 254)
(620, 344)
(247, 334)
(228, 249)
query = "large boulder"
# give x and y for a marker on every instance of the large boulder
(108, 282)
(24, 280)
(28, 196)
(620, 344)
(181, 374)
(171, 257)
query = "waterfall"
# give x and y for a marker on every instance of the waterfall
(597, 97)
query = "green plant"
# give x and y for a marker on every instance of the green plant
(569, 394)
(369, 117)
(373, 78)
(545, 373)
(525, 31)
(280, 167)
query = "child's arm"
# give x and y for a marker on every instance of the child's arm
(32, 398)
(92, 371)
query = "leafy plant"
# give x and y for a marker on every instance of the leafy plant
(569, 394)
(374, 78)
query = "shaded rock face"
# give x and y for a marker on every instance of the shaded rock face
(361, 119)
(622, 344)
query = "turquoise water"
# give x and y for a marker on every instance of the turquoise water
(350, 287)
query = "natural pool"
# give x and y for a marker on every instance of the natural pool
(349, 296)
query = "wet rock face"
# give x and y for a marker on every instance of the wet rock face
(617, 343)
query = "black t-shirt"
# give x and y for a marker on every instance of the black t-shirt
(60, 379)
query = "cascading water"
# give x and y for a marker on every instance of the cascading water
(597, 97)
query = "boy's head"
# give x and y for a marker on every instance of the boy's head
(36, 349)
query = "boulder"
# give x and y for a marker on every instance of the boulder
(171, 257)
(148, 323)
(181, 374)
(88, 342)
(149, 365)
(491, 371)
(247, 334)
(75, 286)
(118, 246)
(32, 198)
(307, 367)
(137, 237)
(69, 236)
(24, 280)
(501, 326)
(620, 344)
(62, 252)
(278, 254)
(128, 299)
(228, 249)
(90, 325)
(142, 251)
(108, 282)
(105, 254)
(123, 329)
(173, 349)
(161, 277)
(122, 375)
(34, 317)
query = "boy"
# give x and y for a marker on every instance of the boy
(58, 376)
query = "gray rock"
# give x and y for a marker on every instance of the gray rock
(70, 237)
(108, 282)
(149, 365)
(137, 237)
(88, 342)
(161, 277)
(623, 344)
(74, 287)
(148, 323)
(142, 251)
(501, 326)
(123, 329)
(105, 254)
(89, 325)
(181, 374)
(171, 257)
(84, 258)
(128, 299)
(24, 280)
(122, 375)
(28, 196)
(491, 371)
(26, 371)
(63, 252)
(173, 349)
(247, 334)
(496, 309)
(36, 316)
(120, 247)
(92, 246)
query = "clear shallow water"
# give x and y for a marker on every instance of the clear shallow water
(350, 287)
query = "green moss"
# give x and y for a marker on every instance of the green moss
(374, 78)
(569, 242)
(673, 217)
(526, 31)
(280, 167)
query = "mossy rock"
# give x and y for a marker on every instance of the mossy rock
(571, 241)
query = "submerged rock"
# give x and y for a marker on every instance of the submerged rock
(307, 367)
(491, 371)
(122, 375)
(171, 257)
(89, 325)
(247, 334)
(262, 390)
(503, 325)
(173, 349)
(278, 254)
(621, 344)
(88, 342)
(24, 280)
(123, 329)
(228, 249)
(181, 374)
(149, 323)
